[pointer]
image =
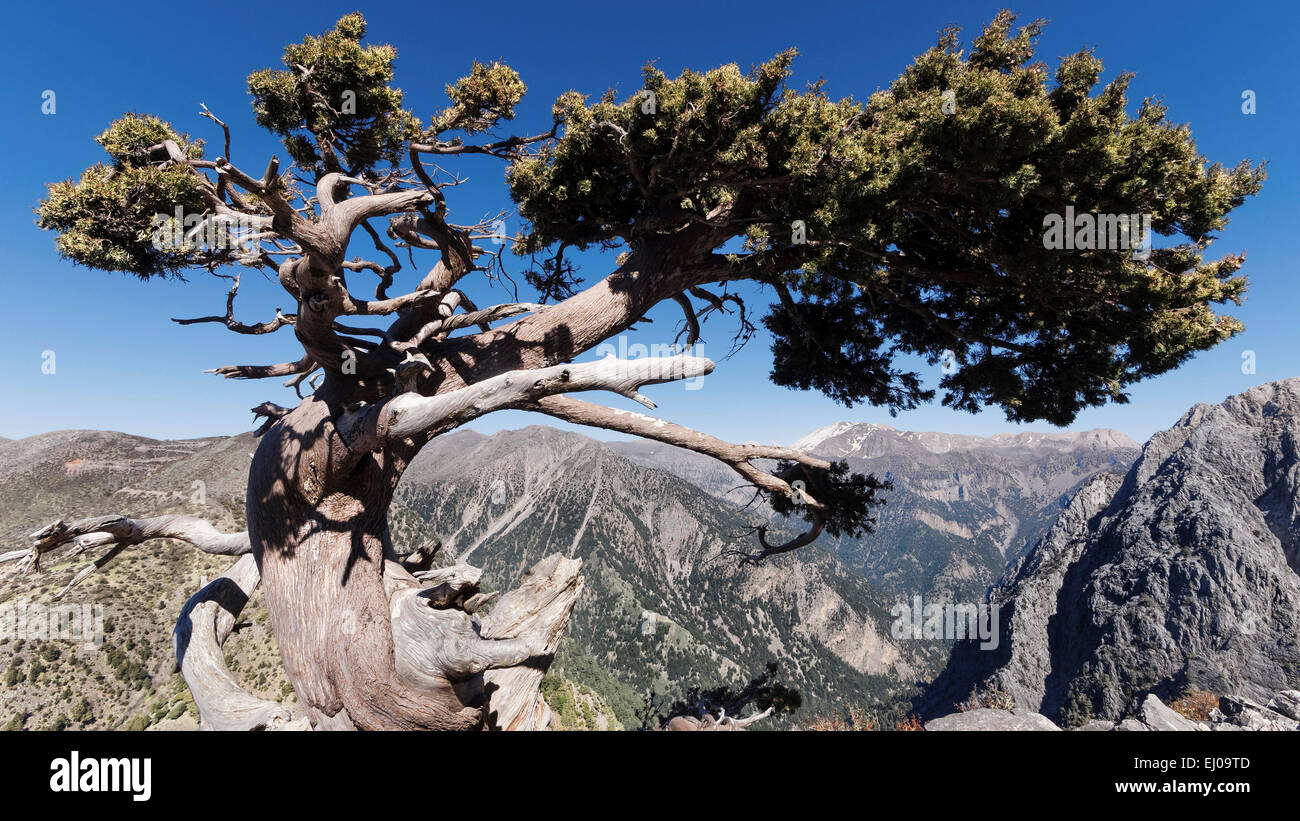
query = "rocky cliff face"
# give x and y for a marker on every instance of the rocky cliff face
(1182, 574)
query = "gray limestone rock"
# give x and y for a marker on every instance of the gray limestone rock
(985, 719)
(1182, 575)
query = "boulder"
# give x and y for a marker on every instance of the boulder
(985, 719)
(1097, 727)
(1132, 725)
(1287, 703)
(1156, 715)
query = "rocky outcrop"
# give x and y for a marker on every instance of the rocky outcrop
(984, 719)
(1238, 713)
(1181, 575)
(1158, 716)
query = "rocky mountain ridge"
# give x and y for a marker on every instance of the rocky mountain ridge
(865, 439)
(1180, 574)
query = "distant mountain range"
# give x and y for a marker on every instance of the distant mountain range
(662, 610)
(962, 509)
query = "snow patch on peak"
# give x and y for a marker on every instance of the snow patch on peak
(853, 433)
(812, 440)
(847, 439)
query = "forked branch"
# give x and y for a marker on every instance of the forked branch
(230, 322)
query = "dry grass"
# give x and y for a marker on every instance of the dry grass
(911, 724)
(855, 719)
(991, 698)
(1195, 705)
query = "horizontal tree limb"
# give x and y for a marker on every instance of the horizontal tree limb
(302, 366)
(738, 457)
(410, 414)
(119, 533)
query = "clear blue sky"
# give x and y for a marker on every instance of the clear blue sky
(122, 365)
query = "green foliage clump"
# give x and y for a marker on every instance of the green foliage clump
(108, 218)
(482, 100)
(848, 498)
(127, 669)
(914, 222)
(641, 166)
(582, 668)
(332, 104)
(82, 713)
(559, 696)
(128, 140)
(136, 723)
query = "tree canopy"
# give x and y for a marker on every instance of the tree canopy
(908, 222)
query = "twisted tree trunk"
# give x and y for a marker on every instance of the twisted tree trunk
(365, 644)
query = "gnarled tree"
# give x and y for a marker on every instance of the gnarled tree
(911, 222)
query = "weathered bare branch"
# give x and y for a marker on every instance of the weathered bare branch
(230, 322)
(692, 327)
(224, 128)
(343, 218)
(271, 412)
(302, 366)
(206, 621)
(408, 414)
(395, 264)
(738, 457)
(446, 325)
(119, 533)
(502, 148)
(768, 549)
(708, 722)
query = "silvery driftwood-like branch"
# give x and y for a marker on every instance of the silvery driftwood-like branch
(121, 532)
(708, 722)
(437, 638)
(205, 623)
(369, 427)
